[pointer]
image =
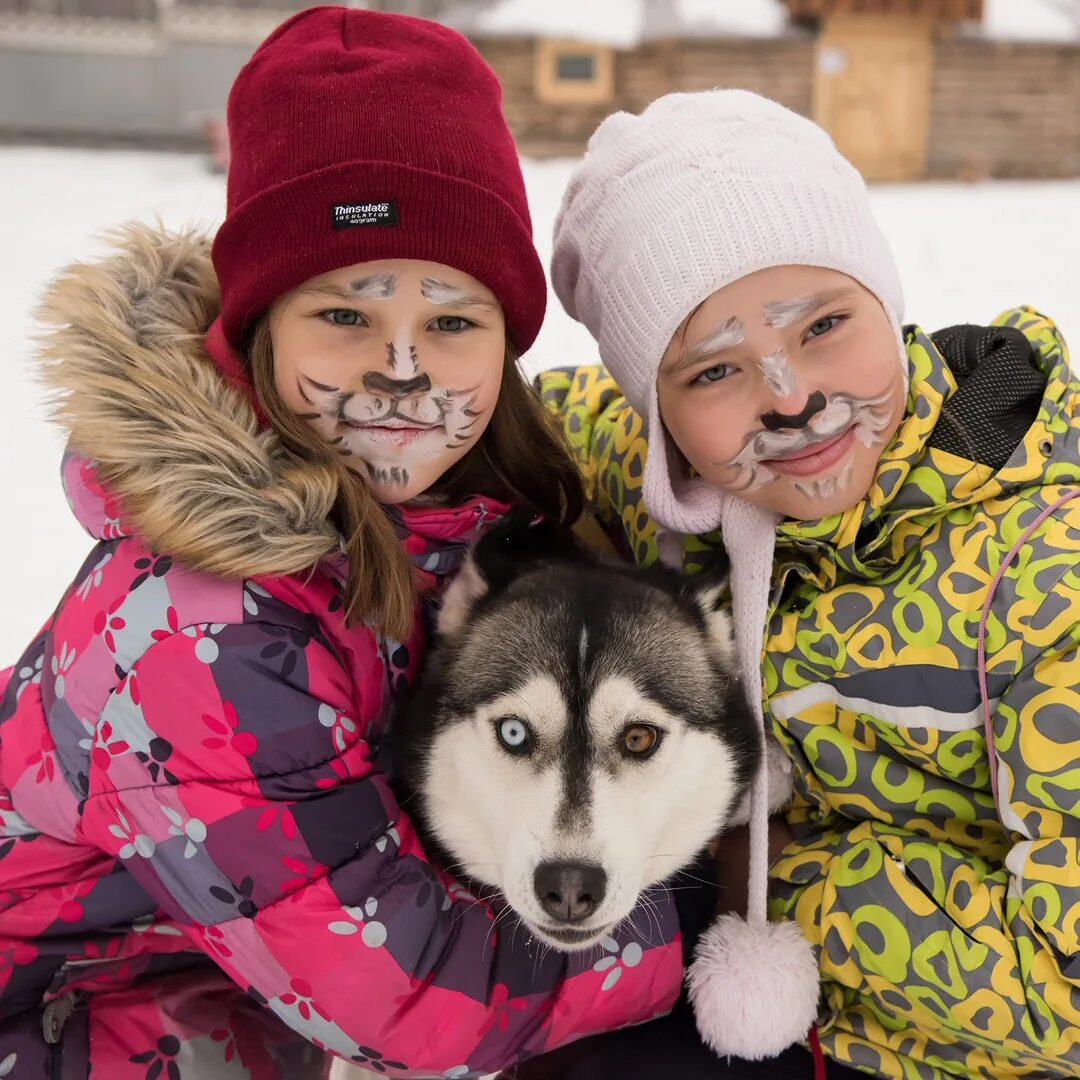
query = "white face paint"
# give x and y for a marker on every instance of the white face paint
(726, 336)
(827, 486)
(781, 314)
(439, 292)
(778, 373)
(869, 417)
(396, 364)
(393, 424)
(377, 287)
(810, 335)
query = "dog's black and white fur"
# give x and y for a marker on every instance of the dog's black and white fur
(579, 732)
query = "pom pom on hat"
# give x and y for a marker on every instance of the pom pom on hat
(754, 989)
(753, 984)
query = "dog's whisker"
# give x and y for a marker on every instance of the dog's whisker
(495, 922)
(693, 877)
(657, 920)
(648, 906)
(466, 907)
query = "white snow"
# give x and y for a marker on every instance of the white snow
(736, 18)
(965, 253)
(618, 23)
(622, 24)
(1030, 20)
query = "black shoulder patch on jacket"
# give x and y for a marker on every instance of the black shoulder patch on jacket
(999, 390)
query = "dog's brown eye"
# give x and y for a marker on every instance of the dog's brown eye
(640, 739)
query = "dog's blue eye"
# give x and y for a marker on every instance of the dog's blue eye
(515, 735)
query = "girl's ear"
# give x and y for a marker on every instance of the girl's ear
(512, 548)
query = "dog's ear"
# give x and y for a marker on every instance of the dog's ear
(710, 590)
(459, 598)
(501, 555)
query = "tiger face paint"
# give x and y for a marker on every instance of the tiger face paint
(795, 413)
(397, 364)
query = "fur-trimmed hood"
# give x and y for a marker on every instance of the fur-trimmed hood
(167, 438)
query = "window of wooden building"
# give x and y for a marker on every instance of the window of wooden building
(573, 72)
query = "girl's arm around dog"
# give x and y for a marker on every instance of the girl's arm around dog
(275, 839)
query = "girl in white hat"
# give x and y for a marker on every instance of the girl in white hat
(900, 511)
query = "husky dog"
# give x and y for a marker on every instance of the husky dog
(579, 732)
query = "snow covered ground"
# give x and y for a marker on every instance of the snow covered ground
(965, 252)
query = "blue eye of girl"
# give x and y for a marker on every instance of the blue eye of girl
(715, 374)
(344, 317)
(514, 735)
(823, 326)
(452, 324)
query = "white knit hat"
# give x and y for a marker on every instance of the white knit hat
(667, 207)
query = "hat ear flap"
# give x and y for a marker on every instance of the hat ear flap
(510, 549)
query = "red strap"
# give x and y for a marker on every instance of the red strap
(819, 1057)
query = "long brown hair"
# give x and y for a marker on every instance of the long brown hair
(521, 458)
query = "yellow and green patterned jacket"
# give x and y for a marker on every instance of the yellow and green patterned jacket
(948, 929)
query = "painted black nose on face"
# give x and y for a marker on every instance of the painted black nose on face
(375, 382)
(774, 421)
(569, 892)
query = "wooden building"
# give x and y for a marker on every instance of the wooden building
(909, 89)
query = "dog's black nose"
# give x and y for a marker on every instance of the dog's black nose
(569, 892)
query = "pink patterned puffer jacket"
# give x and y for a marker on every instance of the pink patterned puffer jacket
(203, 870)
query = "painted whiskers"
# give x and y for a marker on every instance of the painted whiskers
(869, 416)
(396, 412)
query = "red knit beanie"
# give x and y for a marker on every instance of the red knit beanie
(357, 136)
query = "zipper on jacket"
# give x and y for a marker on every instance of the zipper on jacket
(54, 1018)
(55, 1015)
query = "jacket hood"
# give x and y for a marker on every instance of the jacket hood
(165, 439)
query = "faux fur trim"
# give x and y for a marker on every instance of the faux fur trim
(131, 381)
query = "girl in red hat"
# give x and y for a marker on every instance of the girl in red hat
(282, 444)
